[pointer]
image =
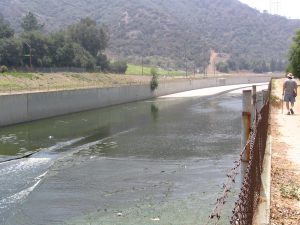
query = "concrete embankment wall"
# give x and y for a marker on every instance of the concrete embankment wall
(27, 107)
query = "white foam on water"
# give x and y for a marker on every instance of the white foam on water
(11, 138)
(22, 165)
(60, 145)
(26, 171)
(32, 170)
(88, 145)
(36, 160)
(18, 197)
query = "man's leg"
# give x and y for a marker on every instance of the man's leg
(288, 107)
(292, 106)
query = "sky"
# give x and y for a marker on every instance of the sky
(287, 8)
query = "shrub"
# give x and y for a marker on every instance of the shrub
(118, 67)
(222, 67)
(154, 80)
(3, 69)
(291, 191)
(103, 62)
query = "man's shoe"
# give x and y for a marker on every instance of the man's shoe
(289, 113)
(292, 111)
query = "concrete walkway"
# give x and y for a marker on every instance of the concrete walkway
(285, 131)
(289, 128)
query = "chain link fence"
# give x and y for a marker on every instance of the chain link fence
(248, 198)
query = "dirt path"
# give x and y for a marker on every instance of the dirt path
(285, 187)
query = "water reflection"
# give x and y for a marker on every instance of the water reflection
(122, 159)
(187, 128)
(154, 112)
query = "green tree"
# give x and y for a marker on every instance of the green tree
(154, 79)
(30, 23)
(294, 56)
(5, 30)
(35, 48)
(73, 55)
(265, 67)
(83, 58)
(10, 52)
(57, 40)
(281, 65)
(64, 55)
(103, 62)
(243, 64)
(232, 65)
(89, 35)
(257, 67)
(222, 67)
(260, 66)
(118, 67)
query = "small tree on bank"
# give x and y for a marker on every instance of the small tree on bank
(154, 79)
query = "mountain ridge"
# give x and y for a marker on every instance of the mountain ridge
(174, 32)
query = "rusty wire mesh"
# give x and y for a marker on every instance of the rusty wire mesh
(249, 195)
(248, 198)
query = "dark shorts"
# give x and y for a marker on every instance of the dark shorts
(289, 98)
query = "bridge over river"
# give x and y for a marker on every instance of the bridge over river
(160, 161)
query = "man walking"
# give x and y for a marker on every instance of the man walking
(289, 92)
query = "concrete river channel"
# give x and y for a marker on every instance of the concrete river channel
(161, 161)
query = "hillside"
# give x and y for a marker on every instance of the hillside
(169, 31)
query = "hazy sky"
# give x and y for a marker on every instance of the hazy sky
(287, 8)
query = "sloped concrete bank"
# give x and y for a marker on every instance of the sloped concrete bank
(18, 108)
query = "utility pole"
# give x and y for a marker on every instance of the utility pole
(30, 54)
(142, 64)
(214, 66)
(185, 58)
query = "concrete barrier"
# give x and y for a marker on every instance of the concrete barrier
(263, 210)
(27, 107)
(13, 109)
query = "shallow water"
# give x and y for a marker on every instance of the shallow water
(151, 162)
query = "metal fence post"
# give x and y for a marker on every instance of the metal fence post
(246, 123)
(254, 98)
(265, 96)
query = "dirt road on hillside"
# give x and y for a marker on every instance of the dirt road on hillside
(211, 69)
